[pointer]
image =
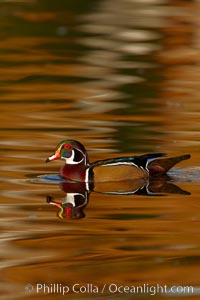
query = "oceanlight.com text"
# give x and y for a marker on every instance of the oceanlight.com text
(111, 288)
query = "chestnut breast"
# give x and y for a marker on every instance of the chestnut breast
(74, 172)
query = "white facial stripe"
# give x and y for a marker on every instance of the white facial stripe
(71, 161)
(83, 155)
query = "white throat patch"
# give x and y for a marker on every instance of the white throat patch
(70, 160)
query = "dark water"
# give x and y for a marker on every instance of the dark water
(122, 77)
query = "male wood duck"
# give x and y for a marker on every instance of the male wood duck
(78, 168)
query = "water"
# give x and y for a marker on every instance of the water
(121, 79)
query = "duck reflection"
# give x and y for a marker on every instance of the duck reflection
(77, 194)
(76, 199)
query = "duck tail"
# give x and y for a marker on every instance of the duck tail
(161, 166)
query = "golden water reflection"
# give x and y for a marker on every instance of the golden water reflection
(120, 78)
(77, 194)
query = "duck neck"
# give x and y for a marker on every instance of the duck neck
(76, 172)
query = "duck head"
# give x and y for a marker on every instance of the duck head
(71, 151)
(76, 159)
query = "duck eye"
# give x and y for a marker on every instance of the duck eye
(67, 146)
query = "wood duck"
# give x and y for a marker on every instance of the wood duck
(78, 168)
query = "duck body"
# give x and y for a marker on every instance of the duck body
(78, 168)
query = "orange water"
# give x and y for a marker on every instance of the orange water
(121, 79)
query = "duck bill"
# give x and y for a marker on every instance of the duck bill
(55, 156)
